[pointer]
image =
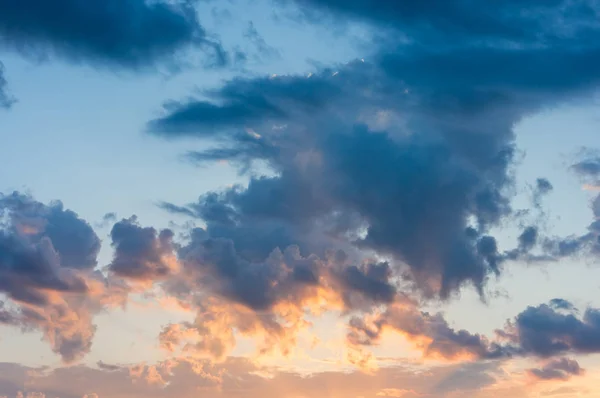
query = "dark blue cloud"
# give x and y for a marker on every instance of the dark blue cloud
(408, 154)
(456, 22)
(132, 34)
(240, 103)
(388, 187)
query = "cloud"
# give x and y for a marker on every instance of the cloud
(142, 254)
(558, 369)
(457, 22)
(107, 219)
(588, 167)
(268, 300)
(47, 260)
(424, 191)
(554, 329)
(264, 50)
(542, 188)
(6, 100)
(429, 332)
(78, 33)
(243, 102)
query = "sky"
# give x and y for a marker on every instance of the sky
(299, 199)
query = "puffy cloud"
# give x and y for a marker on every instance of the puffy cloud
(340, 194)
(406, 157)
(554, 329)
(558, 369)
(269, 300)
(408, 154)
(142, 254)
(47, 260)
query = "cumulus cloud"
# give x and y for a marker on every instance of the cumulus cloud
(47, 260)
(387, 176)
(142, 254)
(588, 167)
(268, 299)
(425, 192)
(554, 329)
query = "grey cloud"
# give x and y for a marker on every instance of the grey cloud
(555, 329)
(459, 22)
(283, 276)
(73, 238)
(445, 341)
(558, 369)
(41, 247)
(140, 253)
(425, 192)
(47, 260)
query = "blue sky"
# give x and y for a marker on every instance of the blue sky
(399, 147)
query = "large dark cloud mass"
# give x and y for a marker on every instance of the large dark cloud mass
(386, 180)
(409, 154)
(129, 33)
(406, 157)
